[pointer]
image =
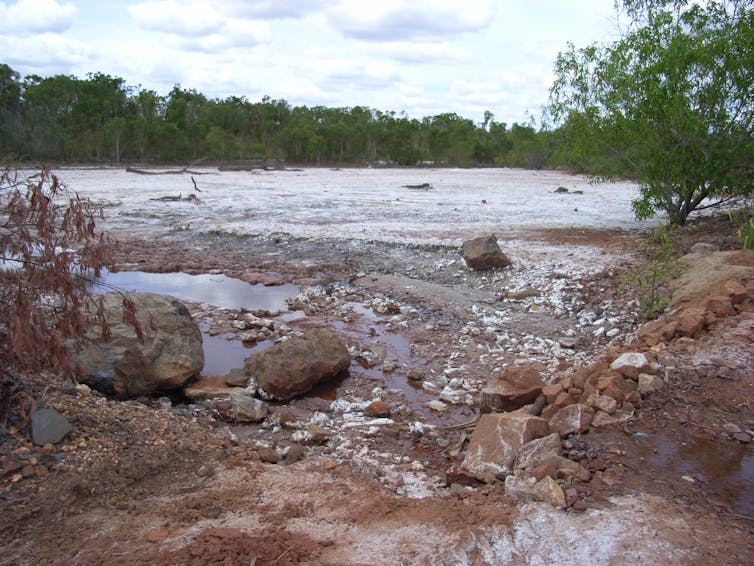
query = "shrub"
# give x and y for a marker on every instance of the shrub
(48, 245)
(649, 280)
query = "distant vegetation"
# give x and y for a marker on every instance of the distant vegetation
(99, 119)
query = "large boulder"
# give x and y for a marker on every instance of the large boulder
(169, 355)
(295, 366)
(484, 253)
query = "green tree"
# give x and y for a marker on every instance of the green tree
(10, 111)
(672, 100)
(95, 116)
(148, 108)
(46, 114)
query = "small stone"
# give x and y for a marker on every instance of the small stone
(516, 387)
(437, 405)
(537, 451)
(48, 449)
(83, 389)
(649, 384)
(415, 375)
(572, 419)
(606, 403)
(704, 248)
(246, 408)
(317, 434)
(269, 456)
(603, 419)
(580, 506)
(48, 426)
(550, 492)
(731, 428)
(570, 469)
(236, 378)
(157, 535)
(377, 409)
(742, 437)
(295, 453)
(484, 253)
(459, 476)
(205, 471)
(547, 468)
(552, 391)
(691, 322)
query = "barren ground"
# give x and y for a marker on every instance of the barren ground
(137, 484)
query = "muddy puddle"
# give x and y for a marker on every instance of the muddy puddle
(722, 469)
(383, 358)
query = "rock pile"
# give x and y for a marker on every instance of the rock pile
(520, 442)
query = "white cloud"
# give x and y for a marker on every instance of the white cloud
(180, 18)
(275, 9)
(233, 34)
(44, 53)
(35, 16)
(394, 20)
(424, 52)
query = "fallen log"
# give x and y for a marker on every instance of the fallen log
(171, 172)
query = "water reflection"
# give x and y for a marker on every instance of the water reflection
(217, 290)
(726, 467)
(221, 355)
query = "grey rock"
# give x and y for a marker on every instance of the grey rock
(295, 453)
(248, 409)
(49, 426)
(170, 354)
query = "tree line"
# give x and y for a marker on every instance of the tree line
(100, 119)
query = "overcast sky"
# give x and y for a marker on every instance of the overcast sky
(423, 57)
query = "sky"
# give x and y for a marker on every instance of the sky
(421, 57)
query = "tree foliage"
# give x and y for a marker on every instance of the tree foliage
(48, 248)
(100, 119)
(670, 103)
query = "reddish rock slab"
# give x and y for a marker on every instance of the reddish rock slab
(496, 440)
(572, 419)
(517, 386)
